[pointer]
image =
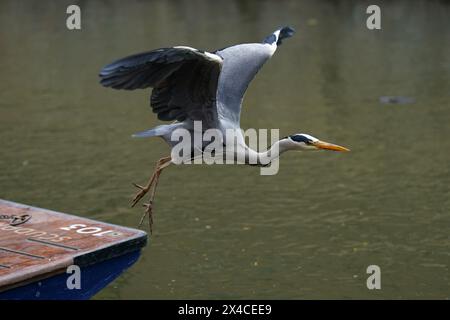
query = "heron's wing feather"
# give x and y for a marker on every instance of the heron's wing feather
(240, 65)
(184, 81)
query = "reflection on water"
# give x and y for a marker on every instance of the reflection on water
(225, 231)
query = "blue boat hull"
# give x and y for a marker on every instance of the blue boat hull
(93, 279)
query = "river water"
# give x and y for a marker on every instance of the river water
(310, 231)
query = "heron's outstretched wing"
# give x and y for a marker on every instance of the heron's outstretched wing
(240, 65)
(184, 81)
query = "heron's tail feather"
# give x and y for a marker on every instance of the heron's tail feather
(154, 132)
(164, 130)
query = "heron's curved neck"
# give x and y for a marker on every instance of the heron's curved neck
(274, 152)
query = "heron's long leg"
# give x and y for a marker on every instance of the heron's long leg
(146, 189)
(149, 206)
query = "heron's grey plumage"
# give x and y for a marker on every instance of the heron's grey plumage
(189, 84)
(240, 65)
(184, 81)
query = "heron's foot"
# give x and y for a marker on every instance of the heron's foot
(143, 191)
(148, 211)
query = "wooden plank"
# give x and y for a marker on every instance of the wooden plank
(51, 241)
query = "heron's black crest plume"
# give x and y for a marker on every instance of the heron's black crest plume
(300, 138)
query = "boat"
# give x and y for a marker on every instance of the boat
(49, 255)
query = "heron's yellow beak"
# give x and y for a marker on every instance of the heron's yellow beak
(329, 146)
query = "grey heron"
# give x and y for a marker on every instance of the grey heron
(192, 85)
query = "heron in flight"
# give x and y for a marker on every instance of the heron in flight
(192, 85)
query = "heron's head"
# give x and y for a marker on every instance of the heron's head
(285, 32)
(305, 142)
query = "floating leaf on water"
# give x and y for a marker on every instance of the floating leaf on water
(396, 100)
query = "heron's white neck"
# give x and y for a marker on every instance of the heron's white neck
(274, 152)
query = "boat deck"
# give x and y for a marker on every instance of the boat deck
(49, 242)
